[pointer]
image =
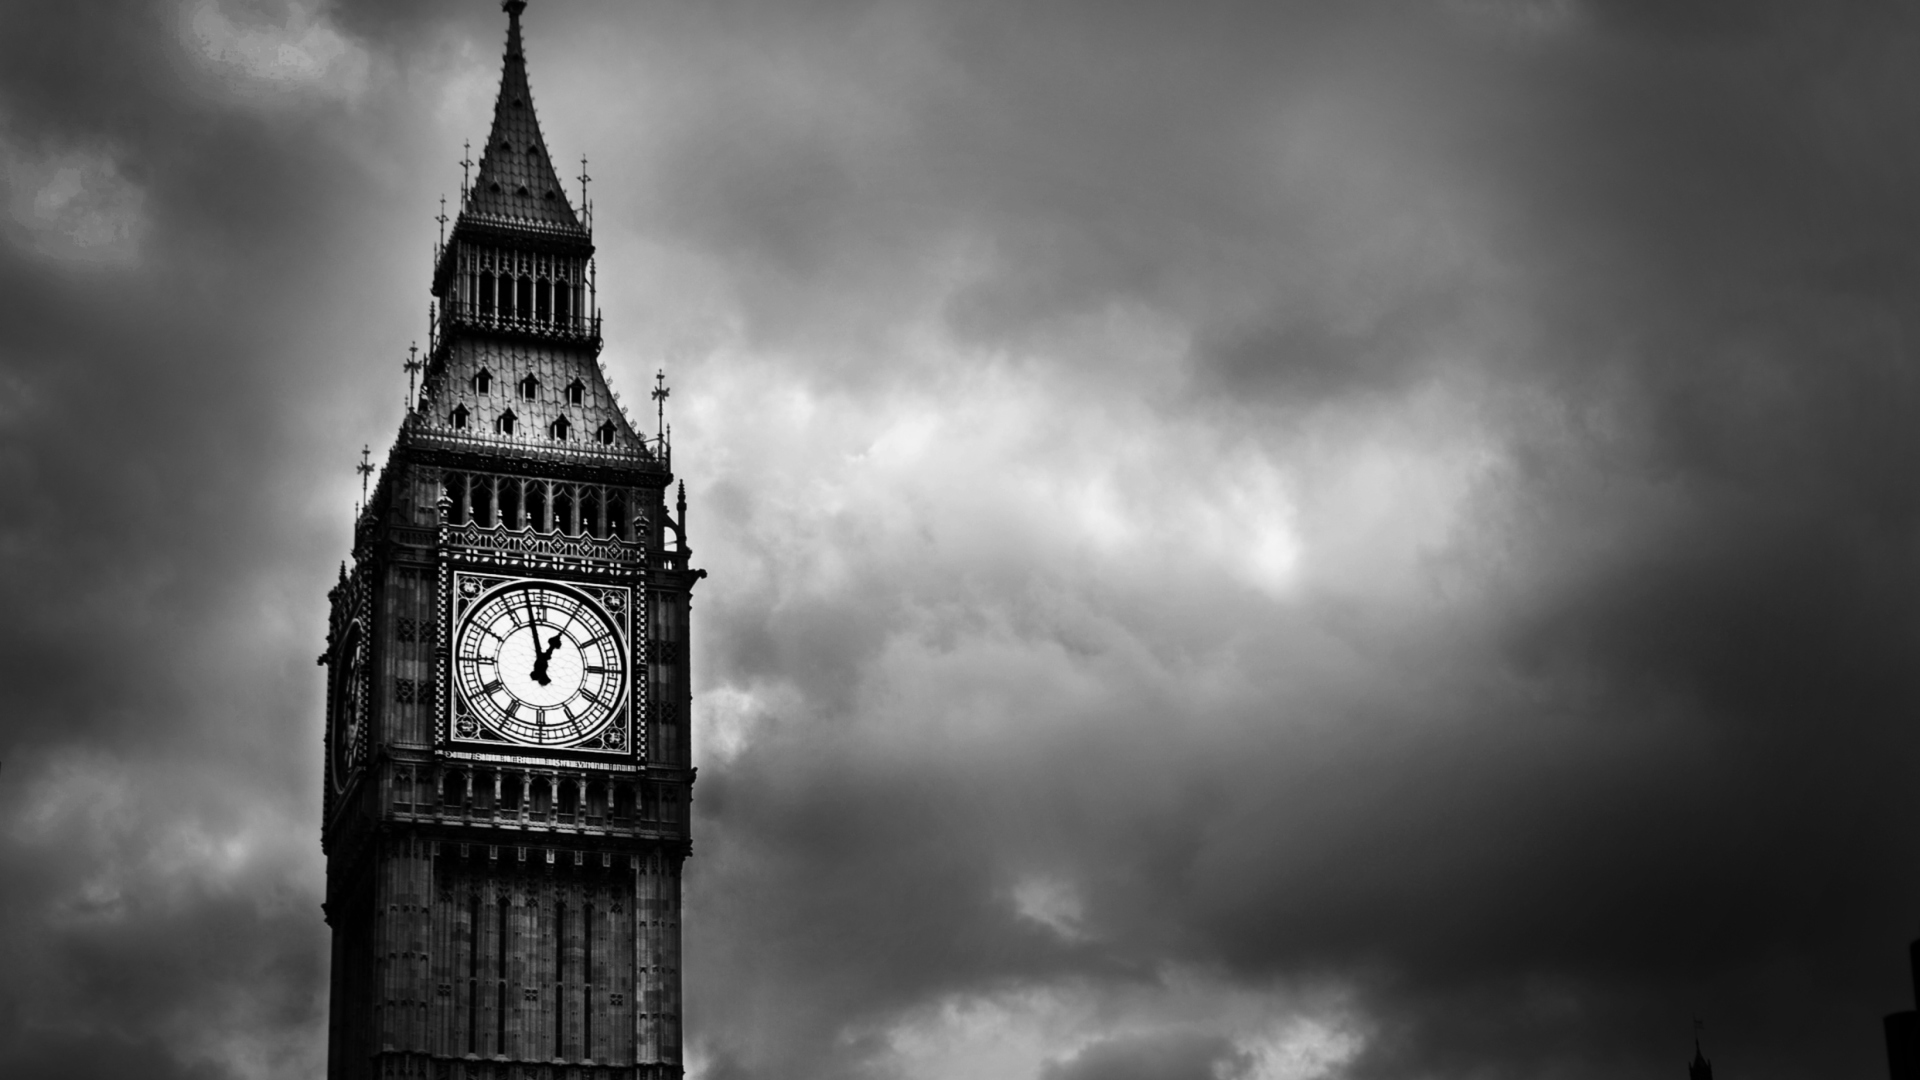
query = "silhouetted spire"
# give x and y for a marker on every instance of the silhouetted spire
(517, 181)
(1700, 1068)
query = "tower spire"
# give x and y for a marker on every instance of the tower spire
(1699, 1068)
(513, 8)
(516, 180)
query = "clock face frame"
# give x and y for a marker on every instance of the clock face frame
(541, 663)
(350, 707)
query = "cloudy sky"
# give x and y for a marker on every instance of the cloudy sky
(1281, 540)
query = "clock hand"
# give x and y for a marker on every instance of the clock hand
(541, 656)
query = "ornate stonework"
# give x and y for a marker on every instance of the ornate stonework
(507, 788)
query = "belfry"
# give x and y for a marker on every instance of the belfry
(507, 757)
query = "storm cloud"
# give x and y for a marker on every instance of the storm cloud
(1300, 540)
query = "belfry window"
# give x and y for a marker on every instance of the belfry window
(543, 300)
(483, 381)
(537, 504)
(510, 503)
(529, 388)
(563, 511)
(486, 292)
(504, 425)
(523, 292)
(483, 502)
(576, 392)
(562, 308)
(458, 418)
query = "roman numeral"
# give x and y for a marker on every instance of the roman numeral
(490, 687)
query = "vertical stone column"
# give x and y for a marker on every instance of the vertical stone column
(657, 960)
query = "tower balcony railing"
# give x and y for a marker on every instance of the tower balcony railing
(582, 328)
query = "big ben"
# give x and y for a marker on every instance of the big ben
(508, 776)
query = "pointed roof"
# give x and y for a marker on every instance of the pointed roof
(1700, 1068)
(516, 180)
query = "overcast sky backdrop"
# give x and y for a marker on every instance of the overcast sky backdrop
(1269, 540)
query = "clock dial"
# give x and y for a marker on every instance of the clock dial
(349, 707)
(540, 663)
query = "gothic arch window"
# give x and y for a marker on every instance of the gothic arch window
(504, 425)
(529, 388)
(458, 418)
(576, 392)
(562, 306)
(617, 516)
(590, 513)
(523, 292)
(456, 489)
(486, 292)
(537, 504)
(543, 300)
(606, 433)
(563, 510)
(510, 503)
(560, 429)
(483, 502)
(483, 381)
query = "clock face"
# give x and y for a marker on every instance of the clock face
(349, 707)
(540, 663)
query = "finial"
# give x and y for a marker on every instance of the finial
(466, 163)
(412, 365)
(660, 393)
(442, 219)
(365, 469)
(583, 192)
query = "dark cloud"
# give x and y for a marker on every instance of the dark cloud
(1176, 1056)
(1246, 541)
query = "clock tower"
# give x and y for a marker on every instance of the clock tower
(507, 767)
